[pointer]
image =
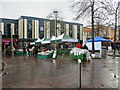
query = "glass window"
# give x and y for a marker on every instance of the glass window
(41, 28)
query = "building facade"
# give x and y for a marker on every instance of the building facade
(8, 27)
(31, 28)
(103, 31)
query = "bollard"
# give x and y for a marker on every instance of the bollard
(79, 66)
(54, 62)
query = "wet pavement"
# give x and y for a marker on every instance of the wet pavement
(31, 72)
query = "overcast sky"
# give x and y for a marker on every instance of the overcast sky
(36, 8)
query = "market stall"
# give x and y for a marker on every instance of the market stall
(38, 41)
(21, 52)
(66, 38)
(63, 41)
(77, 53)
(99, 42)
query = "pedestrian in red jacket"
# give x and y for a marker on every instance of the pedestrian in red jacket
(78, 45)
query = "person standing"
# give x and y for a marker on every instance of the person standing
(8, 50)
(78, 45)
(118, 48)
(36, 50)
(24, 50)
(33, 51)
(28, 52)
(85, 47)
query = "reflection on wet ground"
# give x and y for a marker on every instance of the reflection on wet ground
(30, 72)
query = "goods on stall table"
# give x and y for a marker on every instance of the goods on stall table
(63, 52)
(19, 52)
(44, 55)
(77, 53)
(81, 57)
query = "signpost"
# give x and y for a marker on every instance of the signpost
(79, 68)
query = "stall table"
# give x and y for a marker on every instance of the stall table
(43, 56)
(81, 56)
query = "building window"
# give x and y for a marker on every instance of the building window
(29, 29)
(41, 28)
(7, 28)
(70, 30)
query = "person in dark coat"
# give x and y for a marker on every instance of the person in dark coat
(78, 45)
(118, 47)
(24, 50)
(85, 47)
(8, 50)
(28, 52)
(36, 50)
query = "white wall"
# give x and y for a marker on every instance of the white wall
(36, 29)
(81, 33)
(2, 28)
(20, 28)
(75, 31)
(33, 27)
(67, 29)
(12, 28)
(25, 28)
(48, 29)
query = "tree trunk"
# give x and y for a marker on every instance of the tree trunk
(92, 10)
(114, 45)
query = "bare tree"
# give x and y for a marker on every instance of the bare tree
(86, 9)
(59, 20)
(100, 19)
(112, 8)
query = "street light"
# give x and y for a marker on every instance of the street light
(12, 43)
(55, 12)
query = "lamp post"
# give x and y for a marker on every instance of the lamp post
(55, 12)
(12, 43)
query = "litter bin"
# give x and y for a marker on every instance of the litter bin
(104, 52)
